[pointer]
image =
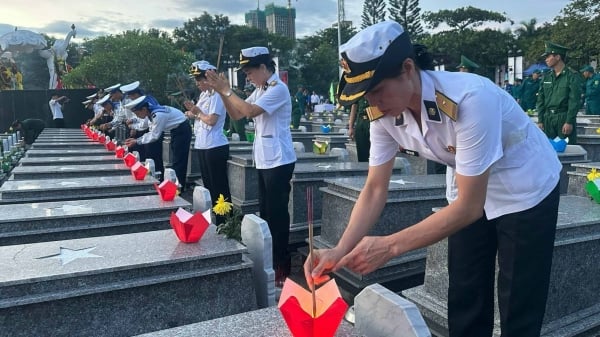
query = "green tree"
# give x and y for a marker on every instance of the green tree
(373, 12)
(130, 56)
(462, 18)
(408, 14)
(527, 29)
(202, 36)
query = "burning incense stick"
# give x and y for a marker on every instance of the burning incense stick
(309, 203)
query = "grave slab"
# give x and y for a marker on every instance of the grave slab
(121, 285)
(59, 220)
(573, 307)
(69, 171)
(266, 322)
(88, 160)
(591, 143)
(67, 145)
(410, 199)
(43, 190)
(67, 153)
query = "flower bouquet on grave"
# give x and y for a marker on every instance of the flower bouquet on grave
(139, 171)
(188, 227)
(320, 147)
(232, 227)
(559, 144)
(296, 308)
(593, 185)
(130, 159)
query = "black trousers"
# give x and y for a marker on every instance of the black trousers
(273, 196)
(181, 138)
(153, 151)
(213, 167)
(524, 242)
(59, 123)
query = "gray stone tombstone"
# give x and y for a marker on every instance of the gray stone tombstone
(380, 312)
(573, 306)
(591, 143)
(257, 238)
(201, 201)
(573, 154)
(341, 154)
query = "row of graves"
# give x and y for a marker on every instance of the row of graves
(92, 244)
(90, 251)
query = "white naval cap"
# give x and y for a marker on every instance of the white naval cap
(92, 96)
(86, 102)
(129, 87)
(104, 99)
(254, 56)
(369, 56)
(139, 102)
(112, 88)
(198, 68)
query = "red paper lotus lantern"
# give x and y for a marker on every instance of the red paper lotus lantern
(119, 152)
(110, 146)
(139, 171)
(130, 159)
(296, 307)
(102, 139)
(95, 136)
(167, 190)
(188, 227)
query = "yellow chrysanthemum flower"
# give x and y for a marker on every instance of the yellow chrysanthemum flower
(593, 175)
(598, 130)
(222, 207)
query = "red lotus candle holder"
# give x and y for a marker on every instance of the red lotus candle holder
(102, 139)
(188, 227)
(130, 159)
(139, 171)
(110, 146)
(296, 307)
(167, 190)
(95, 136)
(119, 152)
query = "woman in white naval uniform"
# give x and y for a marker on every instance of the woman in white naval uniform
(164, 118)
(212, 144)
(506, 173)
(270, 106)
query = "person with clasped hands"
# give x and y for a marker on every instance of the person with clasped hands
(507, 204)
(270, 106)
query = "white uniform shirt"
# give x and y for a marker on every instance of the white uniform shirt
(56, 109)
(491, 131)
(210, 136)
(273, 138)
(163, 118)
(137, 124)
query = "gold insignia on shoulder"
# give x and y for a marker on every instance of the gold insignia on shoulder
(431, 111)
(273, 83)
(451, 149)
(374, 113)
(446, 105)
(345, 66)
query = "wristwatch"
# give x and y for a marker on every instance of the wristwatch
(227, 94)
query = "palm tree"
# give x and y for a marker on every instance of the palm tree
(527, 29)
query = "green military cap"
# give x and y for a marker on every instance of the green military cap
(587, 68)
(466, 63)
(537, 71)
(553, 48)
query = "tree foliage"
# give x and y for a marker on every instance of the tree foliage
(373, 12)
(462, 18)
(408, 14)
(130, 56)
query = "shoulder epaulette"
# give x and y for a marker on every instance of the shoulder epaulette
(446, 105)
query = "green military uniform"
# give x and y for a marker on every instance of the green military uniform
(517, 91)
(559, 98)
(362, 131)
(529, 92)
(592, 92)
(298, 108)
(239, 126)
(467, 64)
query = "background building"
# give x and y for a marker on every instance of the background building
(274, 19)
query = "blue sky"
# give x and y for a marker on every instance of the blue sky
(94, 18)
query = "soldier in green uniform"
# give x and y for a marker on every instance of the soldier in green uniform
(358, 129)
(559, 96)
(531, 86)
(466, 65)
(592, 91)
